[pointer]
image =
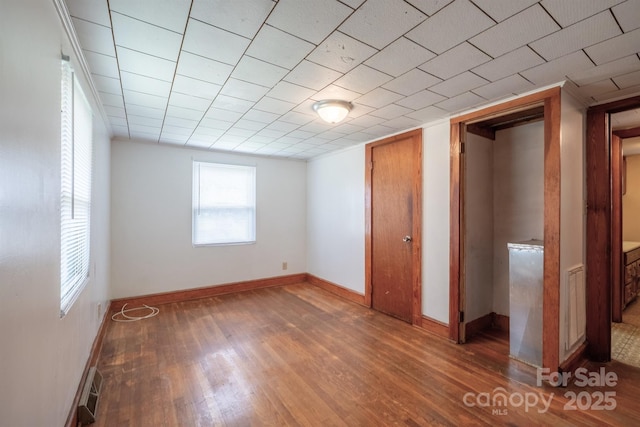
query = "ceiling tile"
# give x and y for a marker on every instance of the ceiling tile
(214, 43)
(525, 27)
(147, 65)
(335, 92)
(272, 105)
(199, 142)
(111, 99)
(205, 132)
(411, 82)
(399, 57)
(148, 112)
(178, 126)
(420, 100)
(94, 37)
(627, 15)
(260, 116)
(567, 12)
(628, 80)
(194, 87)
(232, 103)
(118, 121)
(146, 121)
(458, 84)
(187, 101)
(146, 38)
(310, 20)
(505, 87)
(145, 99)
(145, 136)
(429, 6)
(145, 84)
(213, 123)
(556, 70)
(578, 36)
(378, 98)
(395, 16)
(259, 72)
(450, 26)
(501, 10)
(600, 89)
(142, 111)
(278, 48)
(363, 79)
(508, 64)
(341, 52)
(205, 69)
(168, 14)
(107, 84)
(389, 112)
(402, 123)
(286, 91)
(312, 75)
(245, 133)
(466, 100)
(368, 120)
(615, 48)
(243, 17)
(601, 72)
(184, 113)
(243, 90)
(226, 115)
(102, 64)
(300, 133)
(297, 118)
(249, 125)
(455, 61)
(152, 130)
(95, 11)
(428, 114)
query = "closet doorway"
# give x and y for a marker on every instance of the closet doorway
(539, 113)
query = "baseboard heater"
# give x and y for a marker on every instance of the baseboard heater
(88, 405)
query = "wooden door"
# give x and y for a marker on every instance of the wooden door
(617, 270)
(395, 226)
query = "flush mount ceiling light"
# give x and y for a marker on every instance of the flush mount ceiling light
(332, 110)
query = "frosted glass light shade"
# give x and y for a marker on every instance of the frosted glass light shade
(332, 110)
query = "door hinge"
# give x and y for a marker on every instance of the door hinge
(461, 316)
(462, 147)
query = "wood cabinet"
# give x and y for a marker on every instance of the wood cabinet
(631, 284)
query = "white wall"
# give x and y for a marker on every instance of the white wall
(335, 218)
(479, 218)
(572, 202)
(42, 356)
(151, 249)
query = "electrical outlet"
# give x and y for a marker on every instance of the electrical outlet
(284, 265)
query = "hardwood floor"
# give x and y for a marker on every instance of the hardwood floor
(297, 355)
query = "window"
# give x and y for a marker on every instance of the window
(224, 204)
(75, 189)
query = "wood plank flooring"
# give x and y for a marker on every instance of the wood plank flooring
(297, 355)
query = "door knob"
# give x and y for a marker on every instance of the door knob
(406, 239)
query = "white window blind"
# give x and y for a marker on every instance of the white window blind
(223, 204)
(75, 191)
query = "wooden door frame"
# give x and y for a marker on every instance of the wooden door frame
(416, 245)
(600, 266)
(551, 100)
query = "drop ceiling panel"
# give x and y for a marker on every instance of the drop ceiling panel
(278, 48)
(232, 103)
(525, 27)
(145, 84)
(194, 87)
(103, 65)
(144, 99)
(115, 111)
(395, 16)
(312, 75)
(111, 99)
(557, 69)
(249, 125)
(143, 37)
(509, 64)
(95, 11)
(627, 15)
(225, 115)
(627, 80)
(201, 68)
(428, 114)
(429, 6)
(388, 112)
(190, 102)
(259, 72)
(142, 111)
(214, 43)
(335, 92)
(501, 10)
(362, 79)
(260, 116)
(107, 84)
(244, 90)
(169, 14)
(455, 61)
(450, 26)
(146, 65)
(145, 121)
(567, 12)
(578, 36)
(184, 113)
(297, 119)
(177, 126)
(242, 17)
(420, 100)
(96, 38)
(506, 87)
(341, 52)
(290, 92)
(273, 105)
(458, 84)
(378, 98)
(399, 57)
(615, 48)
(310, 20)
(601, 72)
(461, 101)
(411, 82)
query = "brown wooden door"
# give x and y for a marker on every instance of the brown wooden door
(394, 239)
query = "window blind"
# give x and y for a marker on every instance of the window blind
(75, 188)
(223, 204)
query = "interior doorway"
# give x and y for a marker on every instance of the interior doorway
(545, 105)
(393, 204)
